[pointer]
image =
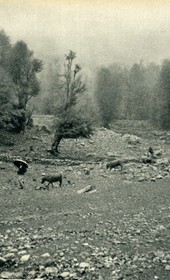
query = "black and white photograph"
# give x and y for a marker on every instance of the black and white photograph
(85, 139)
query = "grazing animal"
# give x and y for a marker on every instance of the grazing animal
(114, 164)
(51, 179)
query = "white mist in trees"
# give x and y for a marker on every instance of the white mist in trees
(140, 92)
(153, 84)
(108, 93)
(143, 88)
(51, 88)
(72, 123)
(128, 93)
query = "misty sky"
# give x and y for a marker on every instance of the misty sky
(100, 31)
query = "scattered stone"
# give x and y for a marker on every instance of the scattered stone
(24, 258)
(11, 275)
(46, 255)
(159, 176)
(32, 274)
(84, 265)
(9, 256)
(22, 252)
(131, 139)
(91, 141)
(153, 179)
(86, 189)
(167, 267)
(141, 179)
(69, 168)
(73, 275)
(2, 261)
(82, 144)
(14, 250)
(129, 176)
(163, 161)
(65, 274)
(51, 270)
(158, 153)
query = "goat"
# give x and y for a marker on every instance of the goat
(51, 179)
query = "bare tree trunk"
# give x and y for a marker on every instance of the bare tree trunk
(55, 144)
(22, 99)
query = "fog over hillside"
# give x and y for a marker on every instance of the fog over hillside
(100, 32)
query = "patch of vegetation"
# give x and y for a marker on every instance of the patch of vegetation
(18, 83)
(72, 122)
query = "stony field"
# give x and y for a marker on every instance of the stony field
(118, 229)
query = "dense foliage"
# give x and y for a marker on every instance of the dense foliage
(18, 83)
(71, 126)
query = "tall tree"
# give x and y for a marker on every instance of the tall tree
(73, 83)
(23, 69)
(71, 123)
(18, 81)
(108, 93)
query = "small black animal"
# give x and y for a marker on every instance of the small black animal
(51, 179)
(114, 164)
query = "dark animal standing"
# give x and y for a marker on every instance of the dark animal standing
(51, 179)
(114, 164)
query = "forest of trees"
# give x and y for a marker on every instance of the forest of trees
(136, 92)
(133, 93)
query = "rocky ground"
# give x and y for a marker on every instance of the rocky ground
(118, 229)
